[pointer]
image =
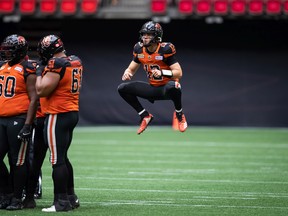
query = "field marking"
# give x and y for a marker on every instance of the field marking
(92, 129)
(173, 171)
(182, 143)
(182, 154)
(228, 193)
(167, 203)
(181, 180)
(113, 161)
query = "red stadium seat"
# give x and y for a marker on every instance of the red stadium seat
(7, 6)
(48, 6)
(220, 7)
(238, 7)
(285, 7)
(273, 7)
(185, 6)
(203, 7)
(256, 7)
(68, 7)
(89, 6)
(27, 6)
(158, 6)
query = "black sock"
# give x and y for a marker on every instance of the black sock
(179, 115)
(144, 114)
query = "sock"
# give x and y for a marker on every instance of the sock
(143, 113)
(179, 114)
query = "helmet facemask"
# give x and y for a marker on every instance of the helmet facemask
(13, 49)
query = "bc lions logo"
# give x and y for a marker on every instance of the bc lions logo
(46, 41)
(21, 40)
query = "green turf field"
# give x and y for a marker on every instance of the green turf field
(204, 171)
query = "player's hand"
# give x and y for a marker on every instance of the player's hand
(127, 76)
(25, 133)
(40, 67)
(156, 73)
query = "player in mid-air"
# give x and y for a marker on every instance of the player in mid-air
(163, 72)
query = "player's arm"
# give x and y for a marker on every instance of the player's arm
(45, 85)
(130, 71)
(26, 132)
(33, 98)
(176, 70)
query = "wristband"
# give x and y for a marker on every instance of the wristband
(167, 73)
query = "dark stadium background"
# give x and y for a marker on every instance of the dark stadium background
(235, 73)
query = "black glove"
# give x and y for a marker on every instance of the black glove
(39, 70)
(25, 133)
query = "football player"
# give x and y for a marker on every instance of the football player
(58, 85)
(18, 102)
(163, 72)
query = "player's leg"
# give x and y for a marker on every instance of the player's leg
(173, 92)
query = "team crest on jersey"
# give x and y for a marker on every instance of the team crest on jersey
(159, 57)
(140, 55)
(18, 69)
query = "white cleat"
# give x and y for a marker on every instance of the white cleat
(50, 209)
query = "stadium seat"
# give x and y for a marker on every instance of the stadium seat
(220, 7)
(238, 7)
(185, 7)
(7, 6)
(27, 6)
(203, 7)
(158, 6)
(256, 7)
(89, 6)
(285, 7)
(68, 7)
(273, 7)
(48, 6)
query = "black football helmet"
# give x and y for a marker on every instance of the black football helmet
(154, 28)
(13, 48)
(48, 46)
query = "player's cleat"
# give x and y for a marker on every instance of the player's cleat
(29, 203)
(50, 209)
(59, 205)
(175, 122)
(144, 123)
(183, 124)
(5, 200)
(16, 204)
(74, 201)
(180, 121)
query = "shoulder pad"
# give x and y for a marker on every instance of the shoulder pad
(138, 48)
(55, 63)
(30, 65)
(2, 63)
(167, 48)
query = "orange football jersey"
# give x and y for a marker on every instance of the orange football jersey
(157, 59)
(13, 94)
(65, 97)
